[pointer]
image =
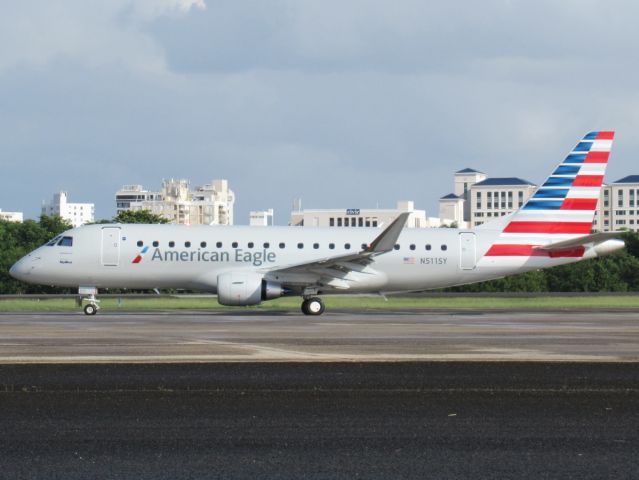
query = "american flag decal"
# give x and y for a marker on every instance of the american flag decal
(409, 260)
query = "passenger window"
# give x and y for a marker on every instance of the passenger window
(218, 244)
(140, 243)
(171, 244)
(364, 246)
(66, 242)
(203, 244)
(282, 245)
(300, 245)
(267, 245)
(250, 245)
(331, 246)
(234, 244)
(412, 246)
(396, 247)
(428, 247)
(316, 246)
(156, 243)
(444, 247)
(187, 244)
(347, 246)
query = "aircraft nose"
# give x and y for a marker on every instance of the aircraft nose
(19, 269)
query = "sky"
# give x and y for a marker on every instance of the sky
(344, 104)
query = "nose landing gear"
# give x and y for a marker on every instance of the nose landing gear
(91, 308)
(313, 306)
(87, 294)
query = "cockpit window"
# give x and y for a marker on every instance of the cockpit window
(66, 242)
(53, 241)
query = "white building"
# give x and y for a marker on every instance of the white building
(451, 206)
(11, 216)
(262, 218)
(75, 213)
(362, 217)
(463, 180)
(210, 204)
(495, 197)
(486, 198)
(477, 199)
(618, 207)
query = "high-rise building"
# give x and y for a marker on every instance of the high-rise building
(75, 213)
(210, 204)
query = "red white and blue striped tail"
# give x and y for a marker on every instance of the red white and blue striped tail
(563, 207)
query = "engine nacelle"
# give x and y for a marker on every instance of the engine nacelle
(245, 288)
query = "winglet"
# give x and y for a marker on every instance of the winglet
(388, 238)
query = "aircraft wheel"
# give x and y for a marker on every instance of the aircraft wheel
(90, 309)
(313, 306)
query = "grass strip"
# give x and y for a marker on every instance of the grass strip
(339, 302)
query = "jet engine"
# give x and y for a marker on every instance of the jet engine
(245, 288)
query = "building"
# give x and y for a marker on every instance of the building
(362, 217)
(462, 182)
(11, 216)
(618, 207)
(487, 198)
(262, 218)
(210, 204)
(75, 213)
(495, 197)
(451, 206)
(477, 198)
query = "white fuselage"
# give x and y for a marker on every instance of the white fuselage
(192, 257)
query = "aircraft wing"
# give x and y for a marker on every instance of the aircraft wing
(338, 265)
(592, 239)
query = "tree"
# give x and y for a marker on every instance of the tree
(138, 216)
(17, 240)
(54, 225)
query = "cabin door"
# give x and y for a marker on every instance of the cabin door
(467, 251)
(111, 246)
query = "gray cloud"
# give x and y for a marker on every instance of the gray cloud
(346, 104)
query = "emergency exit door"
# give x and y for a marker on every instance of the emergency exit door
(110, 246)
(467, 251)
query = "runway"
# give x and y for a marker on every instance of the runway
(361, 336)
(418, 394)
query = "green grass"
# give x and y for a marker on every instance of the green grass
(339, 302)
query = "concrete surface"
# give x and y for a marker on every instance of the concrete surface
(336, 336)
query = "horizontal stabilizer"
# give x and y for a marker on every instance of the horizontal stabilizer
(592, 239)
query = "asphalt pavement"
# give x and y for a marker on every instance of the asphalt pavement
(320, 420)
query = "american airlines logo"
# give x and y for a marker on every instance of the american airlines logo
(238, 255)
(138, 259)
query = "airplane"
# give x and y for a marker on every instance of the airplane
(248, 265)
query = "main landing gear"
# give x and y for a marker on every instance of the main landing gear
(313, 306)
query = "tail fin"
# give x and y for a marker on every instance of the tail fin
(563, 207)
